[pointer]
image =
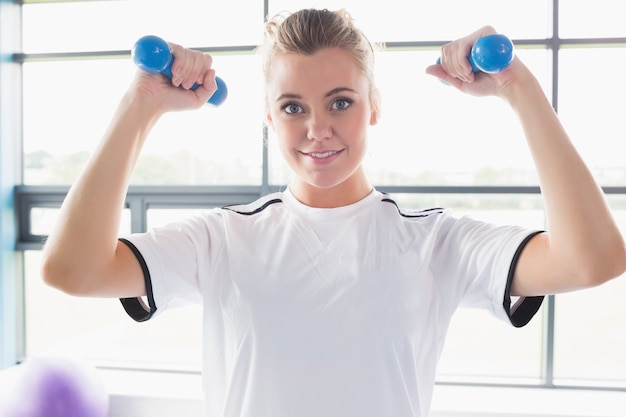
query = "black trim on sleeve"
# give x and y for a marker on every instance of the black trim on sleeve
(526, 307)
(135, 307)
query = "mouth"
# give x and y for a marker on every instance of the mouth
(322, 155)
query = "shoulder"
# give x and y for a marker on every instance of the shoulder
(441, 223)
(256, 207)
(410, 212)
(388, 204)
(409, 227)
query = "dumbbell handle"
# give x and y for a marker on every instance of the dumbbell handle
(491, 54)
(152, 54)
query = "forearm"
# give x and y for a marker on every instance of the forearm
(84, 240)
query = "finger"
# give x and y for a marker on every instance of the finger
(178, 54)
(195, 66)
(438, 72)
(457, 62)
(207, 86)
(189, 66)
(447, 62)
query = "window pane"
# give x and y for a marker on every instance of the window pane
(116, 25)
(591, 108)
(99, 329)
(42, 219)
(590, 336)
(68, 104)
(430, 134)
(595, 19)
(401, 20)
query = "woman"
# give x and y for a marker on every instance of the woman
(327, 299)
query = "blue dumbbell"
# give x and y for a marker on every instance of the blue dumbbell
(491, 54)
(152, 54)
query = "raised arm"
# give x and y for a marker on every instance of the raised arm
(82, 255)
(582, 246)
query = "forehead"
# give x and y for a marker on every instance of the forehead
(322, 71)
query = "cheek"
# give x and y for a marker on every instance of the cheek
(356, 131)
(287, 139)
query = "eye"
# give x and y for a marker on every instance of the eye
(292, 108)
(341, 104)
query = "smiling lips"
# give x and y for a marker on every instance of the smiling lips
(322, 155)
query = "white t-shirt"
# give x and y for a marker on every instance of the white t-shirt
(337, 312)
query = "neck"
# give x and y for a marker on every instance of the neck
(348, 192)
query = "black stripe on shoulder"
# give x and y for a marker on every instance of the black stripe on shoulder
(255, 211)
(416, 213)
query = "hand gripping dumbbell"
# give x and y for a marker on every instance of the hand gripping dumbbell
(152, 54)
(491, 54)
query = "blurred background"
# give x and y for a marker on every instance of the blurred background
(65, 65)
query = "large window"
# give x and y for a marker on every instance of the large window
(432, 147)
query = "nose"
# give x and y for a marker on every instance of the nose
(319, 127)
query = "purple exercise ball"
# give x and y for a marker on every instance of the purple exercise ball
(54, 387)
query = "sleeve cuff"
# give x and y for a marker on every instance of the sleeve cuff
(525, 308)
(136, 308)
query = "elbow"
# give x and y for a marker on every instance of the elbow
(62, 277)
(616, 262)
(601, 269)
(56, 279)
(618, 265)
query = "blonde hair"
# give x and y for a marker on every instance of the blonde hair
(308, 31)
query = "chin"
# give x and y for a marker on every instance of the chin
(325, 183)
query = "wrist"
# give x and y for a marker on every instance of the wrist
(521, 86)
(140, 108)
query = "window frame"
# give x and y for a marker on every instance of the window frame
(11, 283)
(17, 236)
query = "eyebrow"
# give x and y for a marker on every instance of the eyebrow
(329, 94)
